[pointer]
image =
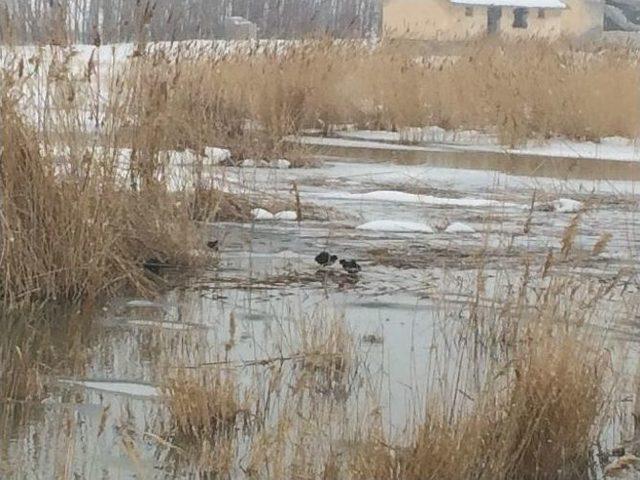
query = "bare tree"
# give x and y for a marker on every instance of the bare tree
(109, 21)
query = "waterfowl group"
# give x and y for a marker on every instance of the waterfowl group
(325, 259)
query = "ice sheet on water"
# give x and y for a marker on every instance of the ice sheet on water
(395, 226)
(117, 387)
(459, 227)
(436, 139)
(144, 304)
(162, 325)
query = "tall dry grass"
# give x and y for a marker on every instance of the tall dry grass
(535, 410)
(79, 218)
(66, 237)
(527, 400)
(519, 90)
(71, 228)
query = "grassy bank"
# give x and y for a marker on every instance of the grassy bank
(520, 90)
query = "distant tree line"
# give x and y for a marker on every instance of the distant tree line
(110, 21)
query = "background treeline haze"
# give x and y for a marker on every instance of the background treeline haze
(110, 21)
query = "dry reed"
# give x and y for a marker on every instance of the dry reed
(519, 90)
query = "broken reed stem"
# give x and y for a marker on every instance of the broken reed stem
(264, 361)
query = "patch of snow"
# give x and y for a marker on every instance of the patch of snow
(123, 388)
(396, 196)
(567, 205)
(177, 158)
(395, 226)
(217, 155)
(261, 214)
(249, 163)
(280, 163)
(288, 215)
(459, 227)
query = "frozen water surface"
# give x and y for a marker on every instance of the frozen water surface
(409, 226)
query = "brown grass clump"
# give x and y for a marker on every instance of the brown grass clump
(73, 224)
(540, 427)
(67, 238)
(203, 407)
(328, 363)
(536, 415)
(551, 410)
(22, 373)
(518, 89)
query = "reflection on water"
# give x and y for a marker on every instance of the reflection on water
(87, 400)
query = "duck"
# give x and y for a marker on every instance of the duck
(154, 265)
(325, 259)
(350, 266)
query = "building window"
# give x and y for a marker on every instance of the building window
(541, 13)
(520, 17)
(468, 11)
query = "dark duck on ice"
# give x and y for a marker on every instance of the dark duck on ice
(350, 266)
(325, 259)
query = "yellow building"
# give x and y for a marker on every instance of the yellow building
(450, 20)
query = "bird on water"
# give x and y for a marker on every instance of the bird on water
(325, 259)
(350, 266)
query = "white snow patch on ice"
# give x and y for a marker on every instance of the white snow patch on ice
(567, 205)
(396, 196)
(288, 215)
(280, 163)
(217, 155)
(249, 163)
(261, 214)
(395, 226)
(459, 227)
(124, 388)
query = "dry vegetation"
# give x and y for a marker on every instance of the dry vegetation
(72, 225)
(74, 228)
(536, 386)
(521, 90)
(203, 407)
(78, 236)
